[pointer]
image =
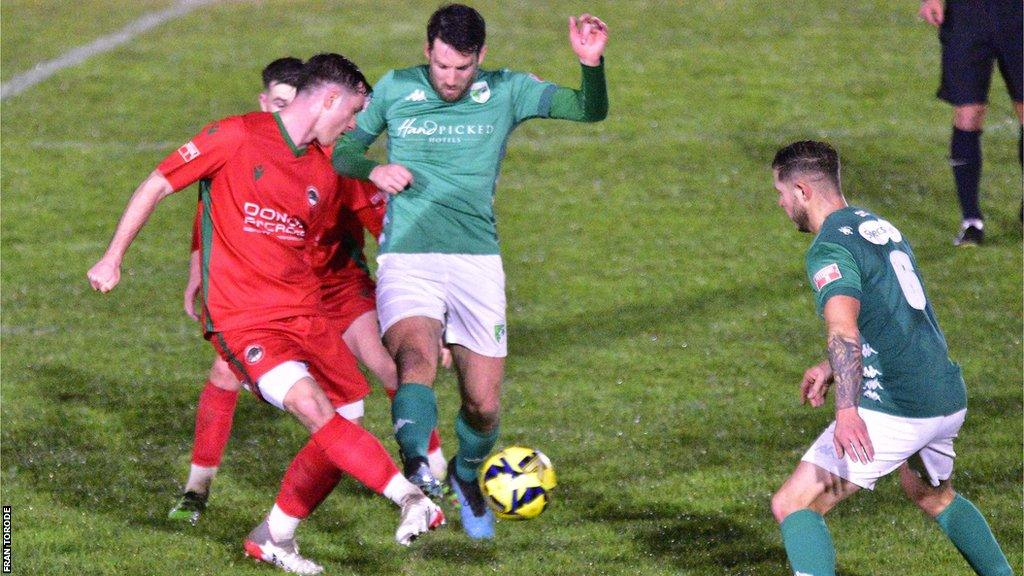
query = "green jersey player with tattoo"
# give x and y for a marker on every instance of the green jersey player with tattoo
(440, 272)
(900, 400)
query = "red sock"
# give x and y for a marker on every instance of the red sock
(214, 414)
(356, 452)
(435, 436)
(307, 482)
(435, 441)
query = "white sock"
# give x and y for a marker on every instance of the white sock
(282, 526)
(200, 478)
(438, 465)
(398, 488)
(976, 222)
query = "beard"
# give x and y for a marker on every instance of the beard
(439, 89)
(800, 218)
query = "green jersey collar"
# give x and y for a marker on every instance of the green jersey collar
(288, 139)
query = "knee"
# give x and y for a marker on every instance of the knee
(416, 362)
(931, 502)
(482, 415)
(222, 377)
(385, 371)
(970, 117)
(781, 506)
(311, 408)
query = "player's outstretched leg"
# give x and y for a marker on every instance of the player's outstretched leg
(414, 343)
(214, 417)
(435, 454)
(799, 507)
(962, 522)
(358, 453)
(476, 427)
(414, 415)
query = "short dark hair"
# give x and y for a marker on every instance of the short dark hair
(458, 26)
(808, 156)
(332, 69)
(287, 70)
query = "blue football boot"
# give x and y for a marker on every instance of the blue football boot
(477, 518)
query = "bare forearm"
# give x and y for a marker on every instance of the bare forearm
(142, 203)
(844, 354)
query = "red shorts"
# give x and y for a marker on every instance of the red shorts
(312, 340)
(347, 300)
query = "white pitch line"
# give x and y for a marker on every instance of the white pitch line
(21, 82)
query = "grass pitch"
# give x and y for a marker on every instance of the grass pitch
(659, 314)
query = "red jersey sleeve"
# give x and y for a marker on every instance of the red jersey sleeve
(367, 202)
(204, 154)
(196, 241)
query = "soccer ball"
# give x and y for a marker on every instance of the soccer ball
(516, 482)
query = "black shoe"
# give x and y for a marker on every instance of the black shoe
(189, 507)
(417, 471)
(970, 235)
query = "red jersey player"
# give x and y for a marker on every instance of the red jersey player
(347, 295)
(268, 173)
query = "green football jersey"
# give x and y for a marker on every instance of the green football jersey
(454, 151)
(907, 369)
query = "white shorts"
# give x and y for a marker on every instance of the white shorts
(926, 443)
(466, 292)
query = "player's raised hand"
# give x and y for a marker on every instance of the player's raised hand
(851, 436)
(588, 36)
(391, 178)
(815, 383)
(931, 12)
(104, 275)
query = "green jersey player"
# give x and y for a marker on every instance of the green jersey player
(440, 273)
(900, 400)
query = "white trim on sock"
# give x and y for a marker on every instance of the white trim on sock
(200, 478)
(398, 488)
(282, 526)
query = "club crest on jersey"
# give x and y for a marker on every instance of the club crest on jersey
(416, 95)
(188, 152)
(826, 276)
(313, 195)
(879, 232)
(253, 354)
(257, 172)
(480, 92)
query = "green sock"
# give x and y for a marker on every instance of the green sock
(414, 415)
(966, 527)
(474, 447)
(808, 543)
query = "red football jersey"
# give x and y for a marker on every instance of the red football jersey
(263, 193)
(197, 239)
(336, 251)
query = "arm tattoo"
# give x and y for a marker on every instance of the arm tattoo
(845, 356)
